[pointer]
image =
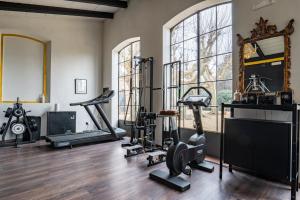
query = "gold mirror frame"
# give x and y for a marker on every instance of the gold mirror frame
(264, 31)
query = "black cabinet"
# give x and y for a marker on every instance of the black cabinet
(260, 146)
(61, 122)
(269, 148)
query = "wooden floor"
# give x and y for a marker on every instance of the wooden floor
(100, 172)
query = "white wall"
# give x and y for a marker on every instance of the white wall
(75, 53)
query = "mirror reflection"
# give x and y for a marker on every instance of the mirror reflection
(264, 65)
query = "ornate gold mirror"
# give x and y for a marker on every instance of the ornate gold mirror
(265, 58)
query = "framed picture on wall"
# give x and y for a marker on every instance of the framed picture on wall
(80, 86)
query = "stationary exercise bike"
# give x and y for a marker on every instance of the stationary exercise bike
(182, 157)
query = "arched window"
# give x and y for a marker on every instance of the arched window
(127, 74)
(203, 43)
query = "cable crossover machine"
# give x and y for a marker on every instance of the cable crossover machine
(140, 107)
(142, 121)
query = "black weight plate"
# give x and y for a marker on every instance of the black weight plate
(17, 128)
(18, 112)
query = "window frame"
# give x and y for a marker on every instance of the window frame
(131, 60)
(198, 60)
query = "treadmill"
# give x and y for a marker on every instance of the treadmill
(94, 136)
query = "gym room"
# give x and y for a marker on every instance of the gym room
(149, 99)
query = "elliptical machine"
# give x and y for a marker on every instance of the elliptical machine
(181, 157)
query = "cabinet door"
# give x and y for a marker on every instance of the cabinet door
(259, 145)
(238, 144)
(271, 143)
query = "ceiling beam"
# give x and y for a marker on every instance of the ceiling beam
(31, 8)
(112, 3)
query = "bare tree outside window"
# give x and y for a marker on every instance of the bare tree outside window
(128, 73)
(203, 43)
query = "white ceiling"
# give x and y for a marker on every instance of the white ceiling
(68, 4)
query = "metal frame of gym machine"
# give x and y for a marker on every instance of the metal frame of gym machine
(171, 83)
(145, 68)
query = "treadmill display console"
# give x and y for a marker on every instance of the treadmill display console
(107, 94)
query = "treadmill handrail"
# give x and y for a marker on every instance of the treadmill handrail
(97, 100)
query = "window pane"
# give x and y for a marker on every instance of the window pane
(190, 50)
(136, 49)
(208, 45)
(127, 68)
(187, 114)
(134, 100)
(121, 69)
(224, 67)
(122, 112)
(190, 72)
(190, 27)
(121, 83)
(128, 115)
(127, 83)
(133, 112)
(127, 53)
(207, 20)
(188, 86)
(188, 119)
(127, 95)
(224, 15)
(224, 92)
(122, 99)
(212, 88)
(177, 52)
(209, 118)
(174, 79)
(224, 40)
(122, 56)
(226, 115)
(208, 69)
(172, 99)
(177, 34)
(224, 96)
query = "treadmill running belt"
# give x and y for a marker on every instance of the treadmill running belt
(78, 138)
